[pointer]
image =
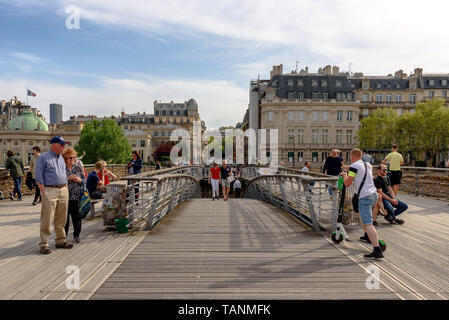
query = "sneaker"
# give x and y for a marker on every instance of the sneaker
(20, 199)
(44, 250)
(399, 221)
(76, 240)
(375, 224)
(389, 218)
(11, 196)
(374, 255)
(365, 238)
(34, 203)
(393, 221)
(65, 245)
(213, 199)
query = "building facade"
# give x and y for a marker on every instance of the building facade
(55, 113)
(316, 112)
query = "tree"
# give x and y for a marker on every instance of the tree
(103, 140)
(163, 150)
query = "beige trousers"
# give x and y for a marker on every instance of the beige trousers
(55, 203)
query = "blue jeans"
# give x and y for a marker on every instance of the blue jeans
(366, 205)
(400, 207)
(17, 183)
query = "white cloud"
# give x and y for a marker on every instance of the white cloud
(220, 102)
(377, 36)
(27, 57)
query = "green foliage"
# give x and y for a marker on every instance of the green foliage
(426, 130)
(103, 140)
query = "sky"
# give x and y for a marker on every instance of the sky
(127, 54)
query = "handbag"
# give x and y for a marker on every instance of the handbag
(355, 197)
(85, 205)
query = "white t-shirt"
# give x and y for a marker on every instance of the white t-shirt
(237, 184)
(357, 170)
(305, 169)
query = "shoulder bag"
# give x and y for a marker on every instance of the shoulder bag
(355, 197)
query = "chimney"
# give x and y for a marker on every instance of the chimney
(327, 69)
(418, 72)
(399, 74)
(277, 70)
(335, 70)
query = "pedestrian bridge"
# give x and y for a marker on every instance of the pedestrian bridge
(272, 244)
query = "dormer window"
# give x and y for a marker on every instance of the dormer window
(290, 83)
(338, 84)
(379, 85)
(323, 83)
(431, 82)
(300, 83)
(365, 85)
(314, 83)
(412, 85)
(444, 82)
(398, 86)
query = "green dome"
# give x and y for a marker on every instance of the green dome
(28, 121)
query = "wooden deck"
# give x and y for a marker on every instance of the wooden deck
(239, 249)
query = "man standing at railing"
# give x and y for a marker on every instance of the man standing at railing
(332, 166)
(396, 160)
(225, 184)
(360, 173)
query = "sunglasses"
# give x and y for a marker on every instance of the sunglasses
(72, 157)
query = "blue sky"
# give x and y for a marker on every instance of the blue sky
(128, 53)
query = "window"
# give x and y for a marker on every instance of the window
(290, 83)
(378, 85)
(399, 111)
(389, 98)
(301, 96)
(337, 84)
(142, 143)
(444, 94)
(349, 136)
(188, 120)
(399, 98)
(162, 133)
(314, 156)
(290, 156)
(340, 96)
(325, 116)
(301, 115)
(315, 136)
(349, 116)
(291, 95)
(398, 85)
(270, 96)
(270, 115)
(412, 110)
(300, 156)
(431, 94)
(444, 82)
(324, 156)
(349, 94)
(365, 85)
(300, 83)
(323, 83)
(315, 115)
(365, 97)
(431, 83)
(339, 136)
(378, 98)
(160, 120)
(325, 96)
(315, 96)
(164, 113)
(365, 112)
(301, 136)
(412, 97)
(339, 115)
(412, 85)
(171, 112)
(155, 133)
(291, 116)
(291, 137)
(325, 136)
(314, 83)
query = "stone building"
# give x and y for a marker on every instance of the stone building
(315, 112)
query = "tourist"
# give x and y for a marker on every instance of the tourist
(51, 178)
(94, 183)
(360, 173)
(332, 166)
(15, 165)
(158, 165)
(37, 195)
(237, 188)
(105, 174)
(75, 177)
(225, 184)
(306, 168)
(396, 160)
(366, 157)
(214, 181)
(135, 167)
(392, 205)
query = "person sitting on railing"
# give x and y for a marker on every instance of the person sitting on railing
(105, 174)
(306, 168)
(393, 206)
(94, 183)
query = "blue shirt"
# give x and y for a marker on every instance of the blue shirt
(51, 169)
(92, 181)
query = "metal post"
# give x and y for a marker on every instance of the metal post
(149, 224)
(315, 224)
(416, 182)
